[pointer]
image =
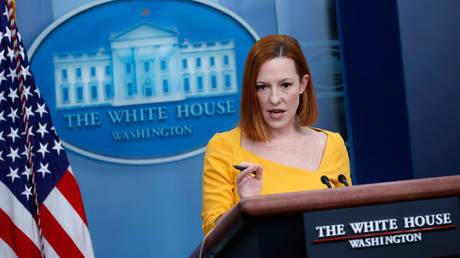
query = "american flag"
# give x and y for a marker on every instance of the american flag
(59, 227)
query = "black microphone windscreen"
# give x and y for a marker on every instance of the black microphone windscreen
(343, 180)
(325, 181)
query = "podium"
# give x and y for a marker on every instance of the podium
(410, 218)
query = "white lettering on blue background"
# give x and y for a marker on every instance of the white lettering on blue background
(149, 133)
(82, 119)
(206, 108)
(150, 114)
(137, 114)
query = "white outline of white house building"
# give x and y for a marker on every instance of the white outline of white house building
(146, 64)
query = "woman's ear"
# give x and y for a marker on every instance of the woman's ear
(303, 83)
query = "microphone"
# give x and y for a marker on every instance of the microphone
(325, 181)
(343, 180)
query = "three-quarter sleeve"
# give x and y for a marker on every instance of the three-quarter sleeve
(218, 182)
(340, 161)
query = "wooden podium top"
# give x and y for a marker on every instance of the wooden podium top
(359, 195)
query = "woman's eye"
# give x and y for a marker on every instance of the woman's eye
(261, 87)
(285, 85)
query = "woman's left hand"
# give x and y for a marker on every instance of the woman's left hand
(248, 185)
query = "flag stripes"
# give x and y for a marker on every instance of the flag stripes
(6, 251)
(56, 235)
(68, 219)
(41, 210)
(17, 216)
(19, 231)
(69, 188)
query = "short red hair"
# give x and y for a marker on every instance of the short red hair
(251, 121)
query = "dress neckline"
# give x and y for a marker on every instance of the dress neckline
(326, 147)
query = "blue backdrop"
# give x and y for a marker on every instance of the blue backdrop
(401, 109)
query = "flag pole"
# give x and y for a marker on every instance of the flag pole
(23, 97)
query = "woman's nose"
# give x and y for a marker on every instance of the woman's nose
(275, 96)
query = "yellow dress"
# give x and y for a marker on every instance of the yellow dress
(219, 177)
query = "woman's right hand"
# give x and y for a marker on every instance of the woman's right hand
(248, 185)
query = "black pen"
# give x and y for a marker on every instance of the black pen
(240, 168)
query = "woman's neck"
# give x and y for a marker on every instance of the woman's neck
(290, 132)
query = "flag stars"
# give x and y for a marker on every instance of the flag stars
(58, 146)
(13, 154)
(26, 92)
(10, 54)
(2, 94)
(25, 71)
(1, 156)
(41, 109)
(21, 50)
(44, 169)
(6, 13)
(42, 129)
(26, 152)
(13, 114)
(38, 92)
(29, 112)
(30, 131)
(2, 117)
(43, 149)
(13, 95)
(27, 172)
(27, 191)
(13, 134)
(2, 53)
(13, 174)
(1, 136)
(13, 75)
(7, 33)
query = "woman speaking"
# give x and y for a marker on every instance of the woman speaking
(274, 145)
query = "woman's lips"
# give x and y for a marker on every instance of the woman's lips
(276, 113)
